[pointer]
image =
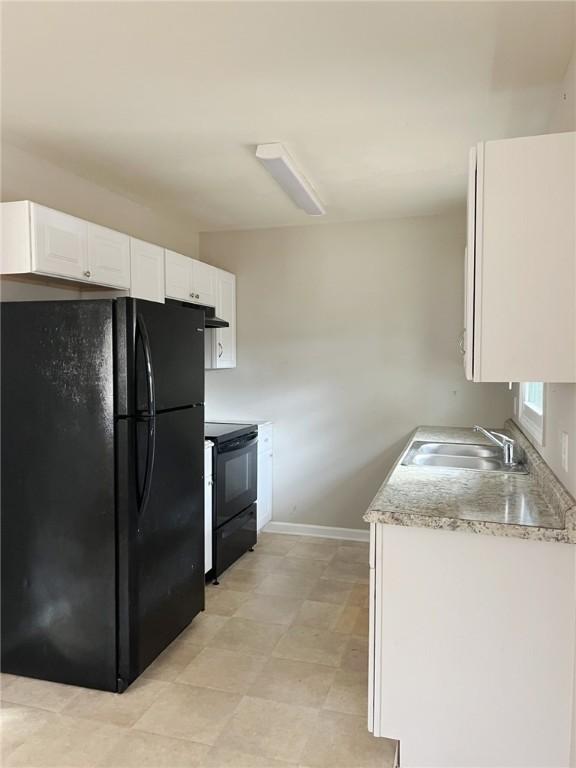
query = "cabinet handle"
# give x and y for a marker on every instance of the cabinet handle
(87, 273)
(461, 346)
(220, 350)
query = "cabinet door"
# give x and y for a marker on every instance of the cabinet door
(203, 285)
(264, 507)
(208, 485)
(178, 276)
(226, 309)
(147, 271)
(108, 257)
(58, 244)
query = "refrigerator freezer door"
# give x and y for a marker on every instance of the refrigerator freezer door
(161, 532)
(58, 523)
(160, 350)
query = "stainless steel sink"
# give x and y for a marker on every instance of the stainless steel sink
(480, 458)
(460, 449)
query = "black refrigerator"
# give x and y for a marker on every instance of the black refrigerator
(102, 458)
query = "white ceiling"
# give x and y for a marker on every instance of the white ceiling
(378, 102)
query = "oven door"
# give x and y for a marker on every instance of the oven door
(236, 477)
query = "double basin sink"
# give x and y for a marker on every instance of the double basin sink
(481, 458)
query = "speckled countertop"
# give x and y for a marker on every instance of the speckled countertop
(532, 506)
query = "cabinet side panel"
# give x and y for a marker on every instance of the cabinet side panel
(528, 280)
(15, 224)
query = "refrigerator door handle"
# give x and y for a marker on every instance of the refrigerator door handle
(150, 456)
(143, 331)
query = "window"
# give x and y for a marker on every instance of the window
(531, 411)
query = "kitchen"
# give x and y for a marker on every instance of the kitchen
(338, 339)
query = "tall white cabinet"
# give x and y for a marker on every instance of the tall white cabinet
(520, 322)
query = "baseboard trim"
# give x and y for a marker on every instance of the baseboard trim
(323, 531)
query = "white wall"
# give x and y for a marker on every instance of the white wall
(347, 340)
(27, 177)
(561, 398)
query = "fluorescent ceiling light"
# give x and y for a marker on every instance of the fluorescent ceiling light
(280, 165)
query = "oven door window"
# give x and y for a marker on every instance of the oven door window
(236, 482)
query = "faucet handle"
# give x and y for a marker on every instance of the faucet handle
(504, 437)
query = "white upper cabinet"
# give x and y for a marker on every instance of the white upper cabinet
(190, 280)
(521, 260)
(225, 352)
(108, 257)
(59, 243)
(146, 271)
(43, 241)
(204, 281)
(178, 276)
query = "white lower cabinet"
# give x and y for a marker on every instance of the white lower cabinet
(208, 488)
(147, 271)
(471, 648)
(265, 470)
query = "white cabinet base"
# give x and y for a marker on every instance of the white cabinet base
(472, 641)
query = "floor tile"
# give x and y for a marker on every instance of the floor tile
(343, 571)
(347, 619)
(362, 623)
(39, 693)
(173, 661)
(346, 743)
(331, 591)
(18, 723)
(316, 614)
(241, 581)
(260, 563)
(65, 742)
(286, 584)
(355, 656)
(269, 609)
(349, 692)
(353, 553)
(359, 596)
(202, 629)
(224, 602)
(222, 669)
(247, 636)
(293, 682)
(304, 567)
(116, 709)
(315, 550)
(269, 729)
(218, 757)
(313, 645)
(138, 749)
(187, 712)
(276, 544)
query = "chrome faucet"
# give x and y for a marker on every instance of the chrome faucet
(507, 444)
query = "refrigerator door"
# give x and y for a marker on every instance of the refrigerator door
(160, 353)
(161, 532)
(58, 521)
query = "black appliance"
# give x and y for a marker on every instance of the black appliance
(235, 468)
(102, 493)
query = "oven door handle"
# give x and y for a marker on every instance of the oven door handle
(235, 445)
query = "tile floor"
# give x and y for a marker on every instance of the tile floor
(273, 673)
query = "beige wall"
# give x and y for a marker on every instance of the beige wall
(346, 341)
(27, 177)
(560, 413)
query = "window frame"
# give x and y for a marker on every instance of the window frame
(532, 421)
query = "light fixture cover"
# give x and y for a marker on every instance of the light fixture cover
(281, 166)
